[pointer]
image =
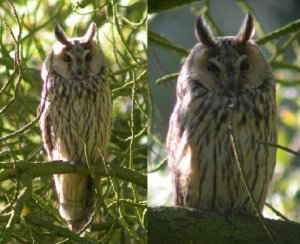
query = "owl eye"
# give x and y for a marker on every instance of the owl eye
(211, 67)
(88, 57)
(244, 66)
(67, 58)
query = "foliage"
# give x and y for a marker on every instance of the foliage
(28, 206)
(281, 46)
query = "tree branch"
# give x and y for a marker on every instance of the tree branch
(161, 5)
(57, 230)
(37, 169)
(289, 28)
(165, 42)
(184, 225)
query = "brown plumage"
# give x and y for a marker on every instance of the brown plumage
(223, 78)
(77, 112)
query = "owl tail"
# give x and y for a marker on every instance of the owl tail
(76, 196)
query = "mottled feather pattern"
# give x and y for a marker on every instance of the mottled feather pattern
(77, 112)
(205, 129)
(80, 106)
(204, 169)
(76, 119)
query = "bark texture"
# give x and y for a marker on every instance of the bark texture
(183, 225)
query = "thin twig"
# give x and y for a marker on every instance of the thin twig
(297, 154)
(277, 212)
(160, 165)
(166, 78)
(260, 216)
(17, 61)
(164, 42)
(17, 207)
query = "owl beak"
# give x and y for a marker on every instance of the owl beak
(232, 85)
(80, 70)
(80, 74)
(233, 88)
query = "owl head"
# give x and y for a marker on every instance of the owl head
(227, 65)
(75, 58)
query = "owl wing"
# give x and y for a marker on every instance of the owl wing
(46, 132)
(175, 154)
(172, 137)
(176, 125)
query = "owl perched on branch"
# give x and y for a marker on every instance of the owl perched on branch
(224, 80)
(76, 118)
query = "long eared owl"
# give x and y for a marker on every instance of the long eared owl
(76, 118)
(223, 80)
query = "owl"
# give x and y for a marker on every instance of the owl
(224, 80)
(76, 118)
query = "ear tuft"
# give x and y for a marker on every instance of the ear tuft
(90, 34)
(247, 30)
(203, 33)
(60, 35)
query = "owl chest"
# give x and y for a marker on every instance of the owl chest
(208, 159)
(75, 120)
(208, 128)
(212, 121)
(76, 106)
(78, 123)
(214, 130)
